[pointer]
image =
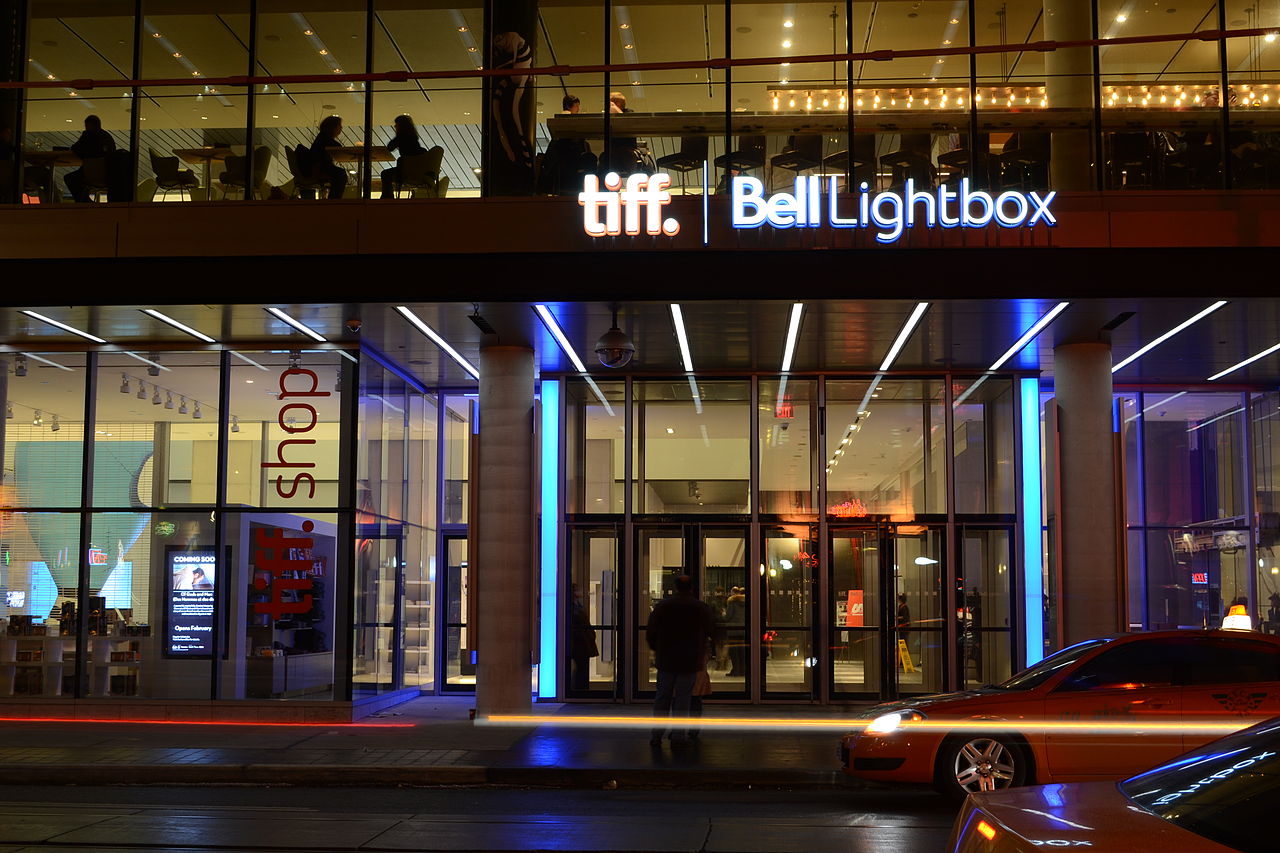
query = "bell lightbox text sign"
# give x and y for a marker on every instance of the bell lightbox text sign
(636, 206)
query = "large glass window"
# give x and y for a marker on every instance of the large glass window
(985, 449)
(595, 466)
(694, 446)
(787, 428)
(886, 449)
(43, 429)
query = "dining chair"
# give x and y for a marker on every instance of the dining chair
(169, 176)
(691, 157)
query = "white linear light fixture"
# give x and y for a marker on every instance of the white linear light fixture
(46, 361)
(903, 335)
(1250, 360)
(72, 329)
(1237, 410)
(147, 361)
(1027, 337)
(793, 332)
(431, 333)
(248, 360)
(677, 318)
(182, 327)
(297, 324)
(553, 326)
(549, 320)
(1155, 405)
(1169, 334)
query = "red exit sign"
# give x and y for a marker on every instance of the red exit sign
(1200, 577)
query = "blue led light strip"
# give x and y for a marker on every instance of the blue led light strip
(1032, 501)
(548, 608)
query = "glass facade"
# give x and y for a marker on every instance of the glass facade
(1172, 113)
(210, 540)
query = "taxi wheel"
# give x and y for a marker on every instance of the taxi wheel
(968, 764)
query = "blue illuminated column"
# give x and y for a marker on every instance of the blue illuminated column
(549, 568)
(1032, 552)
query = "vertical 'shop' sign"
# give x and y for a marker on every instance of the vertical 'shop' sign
(621, 207)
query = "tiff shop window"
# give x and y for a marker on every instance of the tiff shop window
(156, 432)
(39, 579)
(595, 467)
(381, 458)
(150, 619)
(284, 429)
(42, 429)
(283, 573)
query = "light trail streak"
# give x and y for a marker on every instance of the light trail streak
(852, 725)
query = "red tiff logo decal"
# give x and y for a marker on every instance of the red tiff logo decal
(286, 563)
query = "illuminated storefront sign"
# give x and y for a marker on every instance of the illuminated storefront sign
(190, 608)
(849, 509)
(814, 203)
(288, 420)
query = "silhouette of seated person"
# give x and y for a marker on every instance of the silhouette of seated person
(625, 155)
(1024, 160)
(322, 166)
(94, 143)
(407, 143)
(566, 160)
(911, 162)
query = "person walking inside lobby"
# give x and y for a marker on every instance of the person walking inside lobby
(678, 632)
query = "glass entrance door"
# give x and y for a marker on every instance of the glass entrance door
(886, 610)
(716, 560)
(787, 595)
(459, 665)
(985, 632)
(379, 617)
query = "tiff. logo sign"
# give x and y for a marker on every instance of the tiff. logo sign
(621, 207)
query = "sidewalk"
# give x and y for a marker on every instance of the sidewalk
(432, 741)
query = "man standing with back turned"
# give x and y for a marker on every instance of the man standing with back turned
(680, 627)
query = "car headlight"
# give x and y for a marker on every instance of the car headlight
(888, 723)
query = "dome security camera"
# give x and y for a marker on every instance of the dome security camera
(615, 349)
(354, 325)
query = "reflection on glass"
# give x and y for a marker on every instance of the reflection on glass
(460, 668)
(918, 572)
(593, 638)
(661, 562)
(984, 590)
(43, 465)
(787, 485)
(856, 610)
(788, 581)
(39, 577)
(595, 437)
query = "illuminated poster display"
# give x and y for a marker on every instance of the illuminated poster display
(189, 616)
(854, 612)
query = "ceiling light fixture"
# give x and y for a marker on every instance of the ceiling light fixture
(300, 326)
(793, 332)
(182, 409)
(903, 335)
(168, 402)
(47, 361)
(124, 383)
(72, 329)
(197, 414)
(153, 367)
(182, 327)
(20, 365)
(8, 410)
(549, 320)
(36, 419)
(55, 426)
(235, 424)
(1250, 360)
(248, 360)
(677, 318)
(1027, 337)
(142, 390)
(431, 333)
(1169, 334)
(155, 398)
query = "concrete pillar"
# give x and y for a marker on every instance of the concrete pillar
(1069, 85)
(1087, 520)
(502, 573)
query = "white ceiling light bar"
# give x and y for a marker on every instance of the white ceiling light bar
(148, 361)
(553, 326)
(1250, 360)
(248, 360)
(793, 332)
(903, 335)
(866, 398)
(549, 320)
(47, 361)
(697, 397)
(182, 327)
(72, 329)
(1155, 405)
(677, 317)
(1169, 334)
(1027, 337)
(1237, 410)
(439, 341)
(300, 326)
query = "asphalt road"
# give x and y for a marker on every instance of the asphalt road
(137, 818)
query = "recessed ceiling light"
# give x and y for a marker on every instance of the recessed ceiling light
(788, 23)
(1121, 18)
(786, 42)
(64, 326)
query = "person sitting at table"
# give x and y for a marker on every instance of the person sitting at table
(572, 106)
(625, 155)
(566, 160)
(407, 143)
(322, 165)
(94, 142)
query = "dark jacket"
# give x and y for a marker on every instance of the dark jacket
(678, 632)
(321, 159)
(93, 143)
(407, 144)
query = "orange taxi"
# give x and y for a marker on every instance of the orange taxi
(1101, 709)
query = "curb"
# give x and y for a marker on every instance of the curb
(362, 775)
